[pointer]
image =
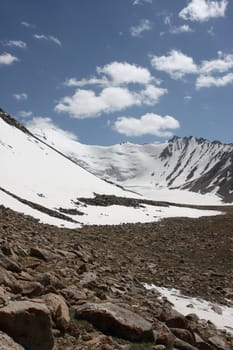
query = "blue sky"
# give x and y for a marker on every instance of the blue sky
(115, 70)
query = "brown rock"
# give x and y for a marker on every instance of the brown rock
(29, 288)
(184, 335)
(59, 310)
(115, 320)
(74, 295)
(173, 318)
(219, 342)
(6, 343)
(182, 345)
(28, 323)
(163, 335)
(9, 264)
(201, 344)
(43, 254)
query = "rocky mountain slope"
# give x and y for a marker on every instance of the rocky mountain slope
(84, 289)
(187, 163)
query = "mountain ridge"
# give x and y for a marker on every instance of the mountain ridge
(188, 163)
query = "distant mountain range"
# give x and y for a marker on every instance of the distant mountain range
(188, 163)
(45, 181)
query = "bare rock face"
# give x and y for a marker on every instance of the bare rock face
(6, 343)
(114, 320)
(59, 310)
(28, 323)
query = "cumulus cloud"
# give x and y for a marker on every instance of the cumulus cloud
(124, 73)
(141, 2)
(206, 81)
(16, 43)
(148, 124)
(87, 104)
(176, 64)
(25, 114)
(21, 96)
(50, 38)
(7, 59)
(120, 84)
(187, 98)
(222, 64)
(143, 26)
(203, 10)
(45, 126)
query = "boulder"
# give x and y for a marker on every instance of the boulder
(219, 342)
(114, 320)
(59, 310)
(184, 335)
(28, 323)
(6, 343)
(182, 345)
(173, 318)
(163, 335)
(43, 254)
(201, 344)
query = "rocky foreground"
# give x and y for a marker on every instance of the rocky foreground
(83, 289)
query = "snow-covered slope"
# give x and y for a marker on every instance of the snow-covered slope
(37, 180)
(156, 170)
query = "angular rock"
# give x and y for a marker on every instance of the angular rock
(43, 254)
(219, 342)
(184, 335)
(163, 335)
(9, 264)
(173, 318)
(29, 288)
(59, 310)
(201, 344)
(182, 345)
(114, 320)
(6, 343)
(28, 323)
(7, 279)
(74, 295)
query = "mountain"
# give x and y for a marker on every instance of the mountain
(40, 181)
(189, 164)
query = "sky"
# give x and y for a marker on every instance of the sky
(111, 71)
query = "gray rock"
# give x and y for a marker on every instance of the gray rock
(28, 323)
(114, 320)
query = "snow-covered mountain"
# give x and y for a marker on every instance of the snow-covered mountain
(38, 180)
(155, 170)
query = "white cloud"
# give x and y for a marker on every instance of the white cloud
(148, 124)
(27, 24)
(185, 28)
(121, 85)
(176, 64)
(87, 104)
(223, 64)
(209, 81)
(50, 38)
(73, 82)
(203, 10)
(140, 2)
(20, 97)
(45, 126)
(180, 29)
(16, 43)
(25, 114)
(7, 59)
(187, 98)
(143, 26)
(119, 73)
